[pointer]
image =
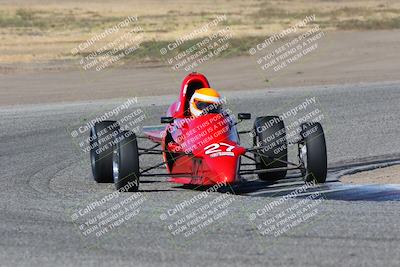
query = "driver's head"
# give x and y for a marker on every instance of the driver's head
(204, 101)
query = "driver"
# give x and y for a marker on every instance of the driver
(205, 101)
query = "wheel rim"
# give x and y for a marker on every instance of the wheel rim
(303, 159)
(116, 164)
(93, 158)
(303, 155)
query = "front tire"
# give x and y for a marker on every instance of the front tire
(270, 132)
(313, 152)
(102, 136)
(126, 163)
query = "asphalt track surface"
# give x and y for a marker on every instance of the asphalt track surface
(47, 188)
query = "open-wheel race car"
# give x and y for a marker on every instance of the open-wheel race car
(204, 150)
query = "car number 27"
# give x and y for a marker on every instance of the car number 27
(219, 149)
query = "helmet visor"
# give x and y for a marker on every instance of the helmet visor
(208, 107)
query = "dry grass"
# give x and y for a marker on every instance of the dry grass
(41, 30)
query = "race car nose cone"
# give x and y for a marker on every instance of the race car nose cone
(223, 168)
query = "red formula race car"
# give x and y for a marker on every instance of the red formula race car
(204, 150)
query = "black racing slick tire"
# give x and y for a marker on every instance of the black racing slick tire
(313, 152)
(126, 163)
(269, 132)
(102, 136)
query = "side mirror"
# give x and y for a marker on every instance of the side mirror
(244, 116)
(167, 119)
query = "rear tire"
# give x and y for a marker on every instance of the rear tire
(270, 131)
(102, 136)
(126, 163)
(313, 152)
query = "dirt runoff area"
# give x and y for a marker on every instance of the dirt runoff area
(387, 175)
(341, 57)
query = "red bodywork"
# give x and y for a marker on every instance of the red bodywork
(203, 150)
